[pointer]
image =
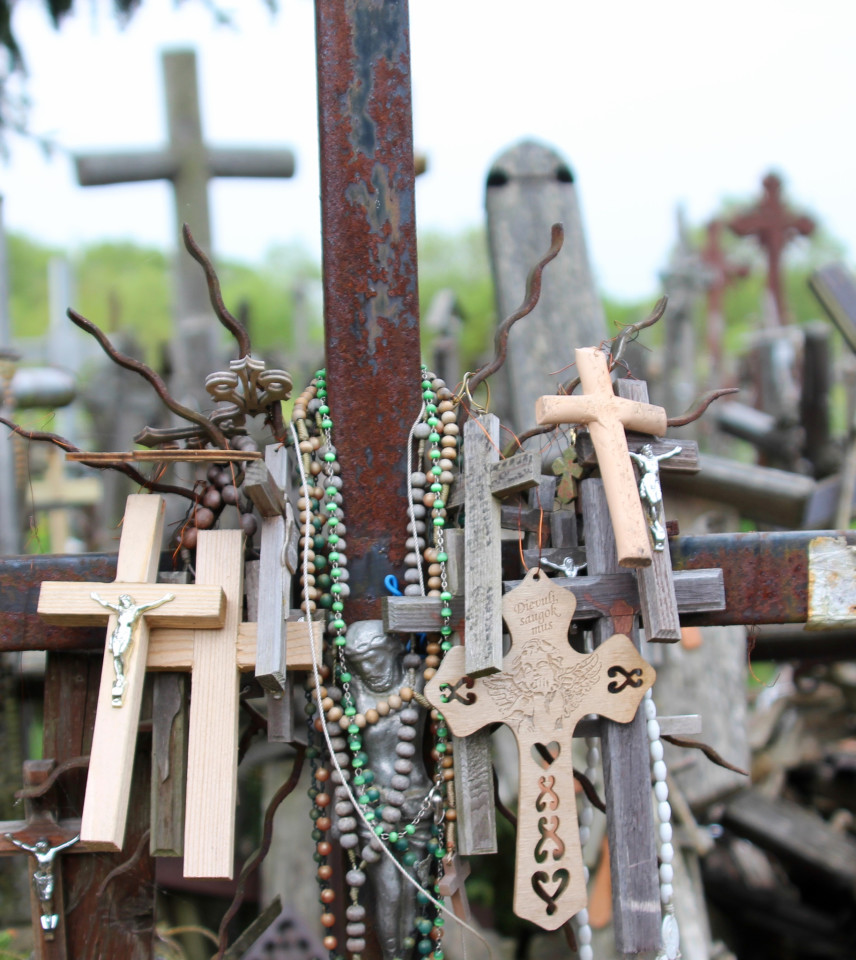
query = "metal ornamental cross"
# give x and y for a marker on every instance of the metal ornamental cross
(545, 688)
(115, 736)
(774, 226)
(607, 416)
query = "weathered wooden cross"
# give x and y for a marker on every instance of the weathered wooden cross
(486, 480)
(188, 163)
(544, 689)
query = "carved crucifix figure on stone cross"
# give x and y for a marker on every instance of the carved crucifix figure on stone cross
(774, 226)
(607, 417)
(115, 736)
(544, 689)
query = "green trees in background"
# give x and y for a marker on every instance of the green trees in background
(122, 286)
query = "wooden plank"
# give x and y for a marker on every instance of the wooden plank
(483, 587)
(212, 768)
(163, 456)
(696, 591)
(626, 769)
(170, 727)
(261, 486)
(173, 649)
(70, 604)
(114, 740)
(274, 583)
(660, 616)
(686, 462)
(515, 474)
(683, 725)
(798, 836)
(476, 825)
(777, 497)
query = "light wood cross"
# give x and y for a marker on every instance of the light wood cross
(115, 735)
(486, 480)
(452, 885)
(607, 417)
(544, 689)
(216, 659)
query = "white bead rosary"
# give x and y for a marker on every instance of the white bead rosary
(670, 949)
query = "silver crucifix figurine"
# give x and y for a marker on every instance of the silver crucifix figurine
(128, 615)
(650, 491)
(44, 880)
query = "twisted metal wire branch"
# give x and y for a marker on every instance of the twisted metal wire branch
(530, 300)
(126, 468)
(255, 860)
(701, 406)
(216, 436)
(632, 331)
(231, 323)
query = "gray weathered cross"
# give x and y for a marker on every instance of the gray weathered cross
(188, 164)
(487, 479)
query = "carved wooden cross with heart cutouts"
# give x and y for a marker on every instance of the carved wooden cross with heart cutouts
(544, 688)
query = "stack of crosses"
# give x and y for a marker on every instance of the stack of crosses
(201, 629)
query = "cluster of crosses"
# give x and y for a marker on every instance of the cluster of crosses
(541, 687)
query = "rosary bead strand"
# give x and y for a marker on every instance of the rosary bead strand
(670, 933)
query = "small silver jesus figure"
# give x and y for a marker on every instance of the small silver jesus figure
(43, 877)
(650, 491)
(128, 614)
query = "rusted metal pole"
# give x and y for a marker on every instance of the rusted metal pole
(371, 306)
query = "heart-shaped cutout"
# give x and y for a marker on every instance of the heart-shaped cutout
(544, 754)
(561, 878)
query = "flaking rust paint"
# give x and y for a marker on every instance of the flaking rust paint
(831, 584)
(370, 276)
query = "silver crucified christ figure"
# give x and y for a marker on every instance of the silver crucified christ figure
(650, 491)
(44, 880)
(128, 615)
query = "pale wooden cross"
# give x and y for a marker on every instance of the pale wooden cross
(544, 689)
(55, 493)
(452, 885)
(607, 417)
(115, 735)
(486, 481)
(216, 659)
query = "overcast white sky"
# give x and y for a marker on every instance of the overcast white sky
(653, 104)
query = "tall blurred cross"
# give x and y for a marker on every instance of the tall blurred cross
(188, 164)
(774, 226)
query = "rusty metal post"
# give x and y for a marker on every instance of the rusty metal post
(371, 306)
